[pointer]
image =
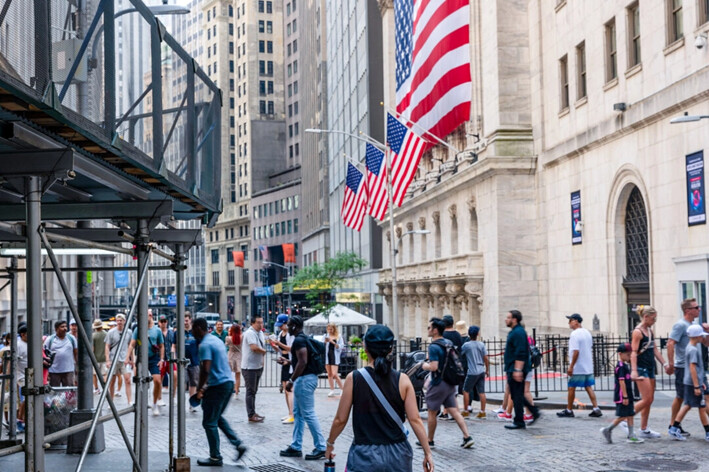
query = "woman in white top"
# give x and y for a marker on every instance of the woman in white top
(333, 349)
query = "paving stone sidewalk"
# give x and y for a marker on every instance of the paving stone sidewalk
(552, 444)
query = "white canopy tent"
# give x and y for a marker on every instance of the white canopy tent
(341, 316)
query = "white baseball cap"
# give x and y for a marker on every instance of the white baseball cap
(696, 331)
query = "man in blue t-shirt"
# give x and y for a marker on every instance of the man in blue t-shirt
(214, 390)
(156, 354)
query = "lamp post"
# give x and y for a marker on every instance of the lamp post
(290, 288)
(688, 118)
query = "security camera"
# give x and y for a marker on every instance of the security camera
(700, 41)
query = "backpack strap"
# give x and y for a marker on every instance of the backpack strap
(51, 340)
(382, 399)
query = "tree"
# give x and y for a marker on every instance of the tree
(322, 280)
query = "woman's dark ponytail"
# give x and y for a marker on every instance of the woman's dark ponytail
(382, 363)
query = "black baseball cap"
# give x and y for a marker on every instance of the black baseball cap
(379, 334)
(624, 347)
(576, 317)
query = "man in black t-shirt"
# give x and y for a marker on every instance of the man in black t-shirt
(453, 336)
(303, 382)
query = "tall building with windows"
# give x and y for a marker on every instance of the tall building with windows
(311, 96)
(354, 96)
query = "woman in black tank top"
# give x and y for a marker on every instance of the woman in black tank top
(642, 362)
(380, 443)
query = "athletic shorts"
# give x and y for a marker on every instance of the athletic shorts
(692, 400)
(581, 381)
(441, 394)
(475, 382)
(624, 411)
(679, 382)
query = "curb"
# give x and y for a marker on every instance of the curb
(552, 405)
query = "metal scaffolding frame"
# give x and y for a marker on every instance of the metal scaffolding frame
(182, 241)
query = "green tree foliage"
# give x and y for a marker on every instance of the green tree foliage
(322, 280)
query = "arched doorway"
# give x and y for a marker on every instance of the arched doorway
(636, 280)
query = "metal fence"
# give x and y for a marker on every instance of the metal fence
(549, 377)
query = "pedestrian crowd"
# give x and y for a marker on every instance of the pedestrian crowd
(380, 398)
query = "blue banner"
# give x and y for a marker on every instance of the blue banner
(120, 278)
(576, 222)
(696, 210)
(263, 291)
(172, 300)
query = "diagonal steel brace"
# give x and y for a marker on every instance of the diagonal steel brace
(85, 340)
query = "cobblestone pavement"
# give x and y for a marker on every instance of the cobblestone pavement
(552, 444)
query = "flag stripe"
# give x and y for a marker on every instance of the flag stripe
(354, 202)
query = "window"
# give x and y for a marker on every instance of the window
(294, 5)
(261, 4)
(674, 21)
(262, 107)
(230, 254)
(295, 26)
(295, 108)
(270, 108)
(633, 35)
(611, 52)
(290, 90)
(290, 113)
(262, 87)
(295, 225)
(231, 10)
(270, 86)
(581, 70)
(290, 226)
(215, 256)
(269, 47)
(261, 26)
(231, 47)
(703, 16)
(230, 277)
(283, 227)
(262, 67)
(215, 278)
(269, 7)
(270, 68)
(262, 46)
(269, 27)
(231, 29)
(564, 82)
(297, 149)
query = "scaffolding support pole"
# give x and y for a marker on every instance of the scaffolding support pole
(142, 376)
(34, 457)
(180, 288)
(84, 336)
(12, 273)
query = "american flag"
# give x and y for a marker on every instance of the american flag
(376, 183)
(406, 148)
(433, 82)
(264, 253)
(354, 205)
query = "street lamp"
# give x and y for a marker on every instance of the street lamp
(688, 118)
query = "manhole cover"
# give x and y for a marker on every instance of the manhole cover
(280, 468)
(661, 464)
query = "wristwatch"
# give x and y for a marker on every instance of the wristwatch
(517, 370)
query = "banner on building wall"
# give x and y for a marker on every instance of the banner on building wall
(120, 279)
(696, 211)
(238, 258)
(288, 253)
(576, 222)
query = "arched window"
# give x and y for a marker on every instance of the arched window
(636, 239)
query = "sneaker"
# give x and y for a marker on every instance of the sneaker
(431, 444)
(118, 394)
(156, 410)
(20, 426)
(288, 420)
(635, 440)
(161, 402)
(240, 451)
(290, 452)
(649, 434)
(535, 417)
(596, 413)
(706, 437)
(465, 413)
(331, 394)
(210, 462)
(442, 416)
(565, 413)
(97, 391)
(285, 417)
(467, 442)
(504, 416)
(528, 418)
(499, 410)
(606, 432)
(686, 434)
(481, 416)
(315, 455)
(675, 434)
(624, 426)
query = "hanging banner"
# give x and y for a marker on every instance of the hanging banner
(288, 253)
(696, 211)
(576, 237)
(238, 258)
(264, 253)
(120, 279)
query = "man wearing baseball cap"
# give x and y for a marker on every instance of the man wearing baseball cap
(695, 383)
(580, 372)
(99, 346)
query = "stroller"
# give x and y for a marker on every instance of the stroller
(411, 364)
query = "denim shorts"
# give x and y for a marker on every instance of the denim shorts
(679, 382)
(581, 381)
(692, 400)
(646, 373)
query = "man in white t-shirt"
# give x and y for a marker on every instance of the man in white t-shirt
(63, 345)
(253, 351)
(580, 370)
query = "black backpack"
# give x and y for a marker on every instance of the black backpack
(535, 356)
(451, 371)
(316, 354)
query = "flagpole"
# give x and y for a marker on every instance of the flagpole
(423, 131)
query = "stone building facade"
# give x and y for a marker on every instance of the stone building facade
(567, 98)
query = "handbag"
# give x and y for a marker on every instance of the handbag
(380, 396)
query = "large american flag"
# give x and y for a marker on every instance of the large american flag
(433, 82)
(354, 205)
(376, 182)
(406, 151)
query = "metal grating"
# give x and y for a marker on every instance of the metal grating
(661, 465)
(636, 239)
(275, 468)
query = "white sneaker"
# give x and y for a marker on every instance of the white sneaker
(649, 434)
(624, 426)
(331, 394)
(118, 394)
(193, 410)
(156, 410)
(499, 410)
(161, 402)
